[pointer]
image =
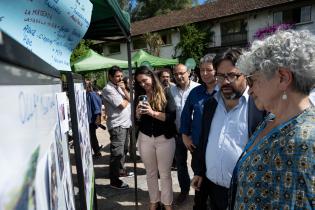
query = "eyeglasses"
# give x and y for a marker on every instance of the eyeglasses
(249, 80)
(180, 74)
(231, 77)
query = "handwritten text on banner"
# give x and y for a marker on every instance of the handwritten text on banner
(49, 28)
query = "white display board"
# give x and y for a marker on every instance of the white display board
(51, 29)
(33, 176)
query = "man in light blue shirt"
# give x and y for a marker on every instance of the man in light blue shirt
(228, 120)
(180, 93)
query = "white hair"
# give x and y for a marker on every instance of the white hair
(208, 58)
(290, 49)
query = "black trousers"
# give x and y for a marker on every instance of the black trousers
(94, 142)
(181, 153)
(217, 195)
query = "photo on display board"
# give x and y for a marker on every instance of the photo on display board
(53, 183)
(63, 150)
(25, 196)
(59, 148)
(84, 141)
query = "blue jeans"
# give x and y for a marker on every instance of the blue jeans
(181, 163)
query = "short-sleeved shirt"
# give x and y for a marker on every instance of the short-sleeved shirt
(113, 97)
(180, 97)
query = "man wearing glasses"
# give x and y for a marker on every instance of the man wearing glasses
(229, 118)
(192, 113)
(180, 93)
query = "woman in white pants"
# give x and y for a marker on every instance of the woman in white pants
(155, 112)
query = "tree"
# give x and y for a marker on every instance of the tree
(193, 42)
(125, 5)
(154, 41)
(80, 50)
(150, 8)
(210, 1)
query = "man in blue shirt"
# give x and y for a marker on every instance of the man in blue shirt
(190, 125)
(94, 106)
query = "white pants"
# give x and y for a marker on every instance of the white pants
(157, 154)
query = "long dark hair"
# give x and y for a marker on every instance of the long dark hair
(158, 101)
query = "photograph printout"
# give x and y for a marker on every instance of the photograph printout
(85, 145)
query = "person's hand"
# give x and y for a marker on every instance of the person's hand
(98, 120)
(188, 143)
(146, 109)
(138, 111)
(121, 84)
(196, 182)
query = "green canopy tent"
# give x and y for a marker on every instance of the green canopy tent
(142, 56)
(93, 61)
(108, 21)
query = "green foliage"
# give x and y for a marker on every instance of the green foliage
(154, 41)
(150, 8)
(125, 5)
(193, 42)
(99, 78)
(80, 50)
(210, 1)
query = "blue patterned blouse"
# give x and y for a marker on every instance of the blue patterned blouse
(279, 172)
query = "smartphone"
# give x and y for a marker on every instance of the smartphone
(143, 99)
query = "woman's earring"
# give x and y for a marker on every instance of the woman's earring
(284, 96)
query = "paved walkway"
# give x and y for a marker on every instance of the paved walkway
(108, 198)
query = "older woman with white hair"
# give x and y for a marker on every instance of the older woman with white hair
(277, 167)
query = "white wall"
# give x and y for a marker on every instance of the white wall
(257, 21)
(168, 51)
(122, 55)
(216, 35)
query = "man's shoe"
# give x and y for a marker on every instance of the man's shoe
(181, 198)
(126, 174)
(119, 185)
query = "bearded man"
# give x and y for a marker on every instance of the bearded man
(229, 118)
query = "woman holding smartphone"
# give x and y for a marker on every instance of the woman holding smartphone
(155, 112)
